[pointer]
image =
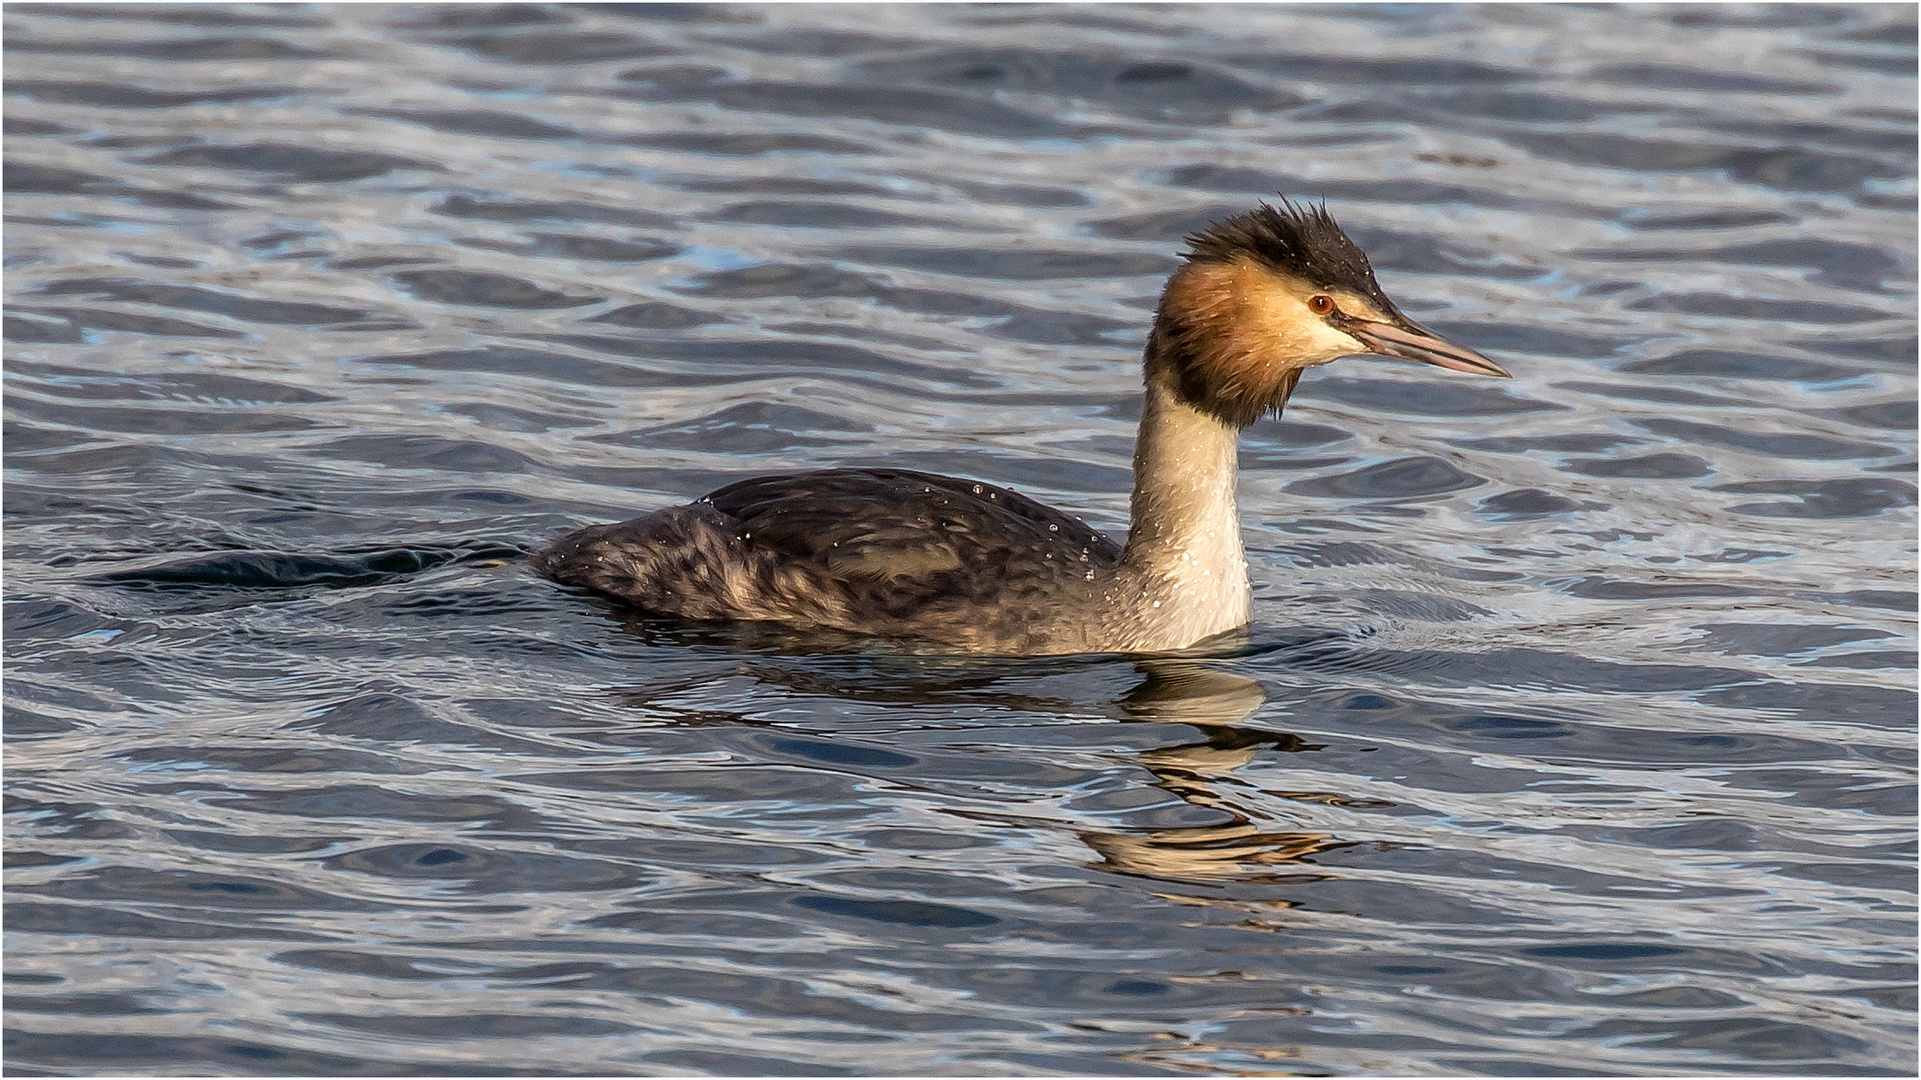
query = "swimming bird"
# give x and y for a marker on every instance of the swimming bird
(1259, 298)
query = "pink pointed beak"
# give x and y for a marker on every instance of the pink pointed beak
(1410, 341)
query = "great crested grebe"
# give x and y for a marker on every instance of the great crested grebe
(1261, 297)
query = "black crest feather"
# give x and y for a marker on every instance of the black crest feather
(1298, 239)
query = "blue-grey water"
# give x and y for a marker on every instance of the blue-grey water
(1576, 728)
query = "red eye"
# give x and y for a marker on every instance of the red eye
(1320, 305)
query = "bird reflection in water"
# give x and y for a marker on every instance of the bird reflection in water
(1240, 844)
(1238, 848)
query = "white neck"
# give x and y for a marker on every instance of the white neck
(1183, 576)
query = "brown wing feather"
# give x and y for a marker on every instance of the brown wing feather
(876, 550)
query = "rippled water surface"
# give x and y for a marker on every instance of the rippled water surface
(1575, 732)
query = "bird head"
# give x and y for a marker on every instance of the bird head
(1267, 294)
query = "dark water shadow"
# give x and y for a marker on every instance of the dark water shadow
(281, 570)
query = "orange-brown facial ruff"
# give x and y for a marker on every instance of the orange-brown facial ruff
(1225, 338)
(1235, 326)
